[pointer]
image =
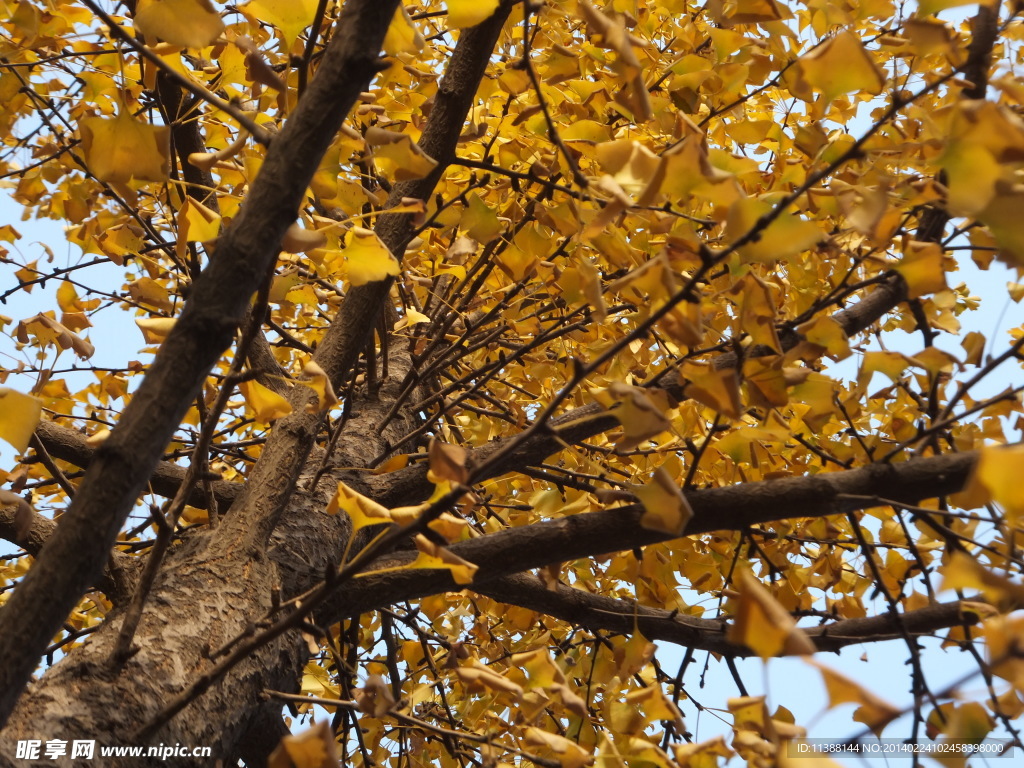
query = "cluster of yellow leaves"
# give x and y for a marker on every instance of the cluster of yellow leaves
(689, 129)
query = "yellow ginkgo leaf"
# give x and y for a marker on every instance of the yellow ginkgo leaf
(983, 138)
(469, 13)
(196, 224)
(763, 625)
(402, 35)
(314, 748)
(828, 334)
(630, 163)
(1003, 219)
(479, 220)
(840, 66)
(748, 11)
(477, 677)
(291, 17)
(367, 259)
(784, 238)
(317, 381)
(891, 364)
(265, 403)
(716, 388)
(665, 507)
(434, 556)
(640, 416)
(999, 471)
(188, 23)
(362, 510)
(929, 7)
(298, 239)
(155, 329)
(922, 267)
(570, 754)
(873, 711)
(120, 149)
(67, 297)
(412, 317)
(687, 167)
(757, 310)
(19, 415)
(402, 157)
(765, 381)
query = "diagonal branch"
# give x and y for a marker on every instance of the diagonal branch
(618, 529)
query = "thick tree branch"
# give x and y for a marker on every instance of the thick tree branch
(456, 93)
(118, 578)
(70, 446)
(613, 530)
(595, 611)
(74, 556)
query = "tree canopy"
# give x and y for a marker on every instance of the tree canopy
(480, 372)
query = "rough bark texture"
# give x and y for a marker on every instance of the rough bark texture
(210, 588)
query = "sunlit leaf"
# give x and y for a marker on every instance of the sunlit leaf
(839, 66)
(266, 404)
(569, 753)
(928, 7)
(479, 221)
(763, 625)
(891, 364)
(291, 17)
(403, 158)
(665, 507)
(367, 259)
(477, 677)
(469, 13)
(640, 416)
(873, 711)
(828, 334)
(783, 238)
(189, 23)
(715, 387)
(317, 380)
(314, 748)
(402, 35)
(757, 310)
(19, 415)
(922, 267)
(120, 149)
(374, 698)
(196, 223)
(155, 329)
(999, 471)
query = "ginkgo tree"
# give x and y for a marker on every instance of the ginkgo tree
(487, 369)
